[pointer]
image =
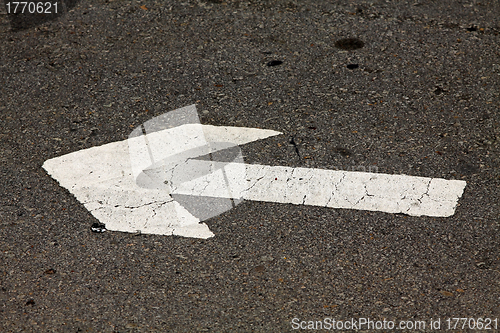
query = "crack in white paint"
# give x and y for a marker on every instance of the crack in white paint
(150, 203)
(426, 192)
(336, 189)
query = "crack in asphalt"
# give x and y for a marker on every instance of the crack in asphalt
(292, 141)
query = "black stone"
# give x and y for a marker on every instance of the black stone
(274, 63)
(98, 227)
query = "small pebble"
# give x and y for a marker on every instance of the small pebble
(98, 227)
(274, 63)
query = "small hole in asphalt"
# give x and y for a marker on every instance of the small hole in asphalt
(349, 44)
(274, 63)
(439, 91)
(472, 29)
(352, 66)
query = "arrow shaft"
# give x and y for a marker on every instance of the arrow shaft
(329, 188)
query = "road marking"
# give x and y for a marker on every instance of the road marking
(410, 195)
(173, 172)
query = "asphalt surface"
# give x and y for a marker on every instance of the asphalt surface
(416, 92)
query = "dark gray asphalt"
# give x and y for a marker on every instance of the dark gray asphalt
(423, 100)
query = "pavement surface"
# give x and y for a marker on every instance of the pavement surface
(407, 87)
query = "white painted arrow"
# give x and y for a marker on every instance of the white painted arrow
(153, 181)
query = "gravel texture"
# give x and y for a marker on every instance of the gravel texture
(415, 90)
